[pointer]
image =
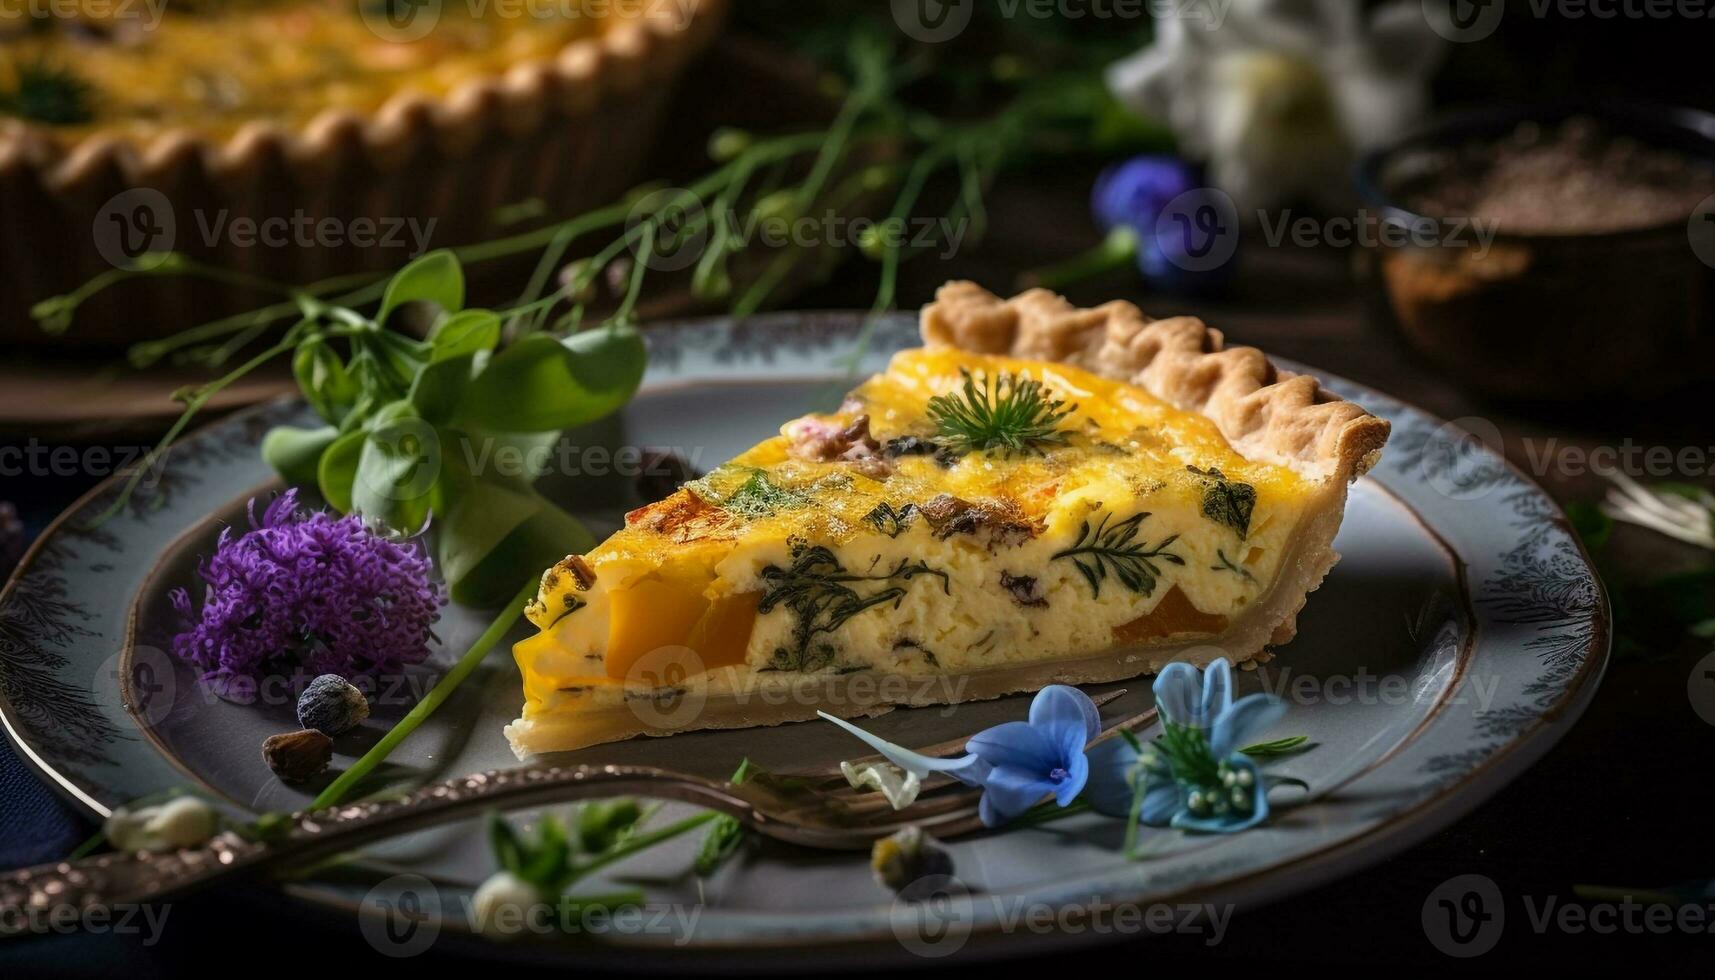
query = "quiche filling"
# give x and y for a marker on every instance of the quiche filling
(961, 515)
(214, 67)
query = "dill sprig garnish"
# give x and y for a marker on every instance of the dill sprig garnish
(1001, 412)
(817, 589)
(1103, 549)
(49, 94)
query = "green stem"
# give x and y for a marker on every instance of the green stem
(1134, 814)
(1048, 812)
(193, 404)
(1116, 251)
(431, 702)
(642, 842)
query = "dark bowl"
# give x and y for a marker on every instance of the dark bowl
(1557, 317)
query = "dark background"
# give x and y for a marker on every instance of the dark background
(1621, 801)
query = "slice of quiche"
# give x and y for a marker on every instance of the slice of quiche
(1040, 494)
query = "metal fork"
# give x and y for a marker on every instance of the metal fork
(812, 808)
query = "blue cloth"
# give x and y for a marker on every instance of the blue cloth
(37, 825)
(40, 826)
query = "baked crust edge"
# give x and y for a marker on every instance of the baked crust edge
(1265, 413)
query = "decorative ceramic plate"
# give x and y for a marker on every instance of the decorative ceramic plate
(1459, 637)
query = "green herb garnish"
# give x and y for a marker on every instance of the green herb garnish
(1225, 564)
(760, 497)
(885, 519)
(724, 836)
(1102, 549)
(1227, 502)
(49, 94)
(1003, 412)
(818, 590)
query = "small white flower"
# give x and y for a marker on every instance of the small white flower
(1279, 95)
(500, 905)
(899, 787)
(179, 823)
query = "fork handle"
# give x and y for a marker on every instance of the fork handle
(30, 896)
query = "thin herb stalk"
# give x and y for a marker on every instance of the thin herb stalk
(431, 702)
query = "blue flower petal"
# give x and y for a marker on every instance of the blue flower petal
(1108, 787)
(967, 768)
(1241, 723)
(1017, 745)
(1059, 704)
(1161, 802)
(1217, 692)
(1077, 776)
(1177, 689)
(1009, 792)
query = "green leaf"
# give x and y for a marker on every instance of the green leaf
(473, 518)
(1277, 747)
(605, 823)
(398, 467)
(296, 453)
(503, 840)
(466, 332)
(495, 531)
(432, 278)
(322, 377)
(540, 383)
(338, 470)
(439, 386)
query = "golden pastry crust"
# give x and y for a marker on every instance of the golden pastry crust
(633, 54)
(1267, 414)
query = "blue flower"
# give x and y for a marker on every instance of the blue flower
(1017, 763)
(1195, 776)
(1129, 202)
(1133, 194)
(1044, 756)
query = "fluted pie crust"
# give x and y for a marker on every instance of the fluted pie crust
(630, 54)
(1265, 415)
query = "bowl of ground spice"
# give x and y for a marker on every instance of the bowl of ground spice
(1551, 253)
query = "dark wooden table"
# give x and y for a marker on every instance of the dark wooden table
(1618, 802)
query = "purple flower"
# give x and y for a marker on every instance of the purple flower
(310, 593)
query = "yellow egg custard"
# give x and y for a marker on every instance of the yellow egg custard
(1041, 494)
